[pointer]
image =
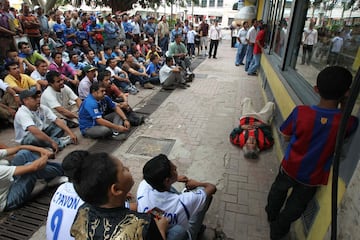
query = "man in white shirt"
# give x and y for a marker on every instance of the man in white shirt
(336, 45)
(241, 50)
(37, 125)
(309, 39)
(250, 39)
(215, 36)
(171, 76)
(186, 209)
(61, 99)
(18, 179)
(39, 75)
(87, 81)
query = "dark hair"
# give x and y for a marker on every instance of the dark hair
(178, 35)
(92, 175)
(53, 54)
(9, 64)
(42, 47)
(109, 60)
(333, 82)
(168, 59)
(156, 170)
(153, 57)
(50, 76)
(102, 75)
(39, 61)
(21, 44)
(253, 21)
(107, 48)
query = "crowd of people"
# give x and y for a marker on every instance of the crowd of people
(69, 70)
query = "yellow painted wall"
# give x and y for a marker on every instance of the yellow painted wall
(261, 4)
(323, 195)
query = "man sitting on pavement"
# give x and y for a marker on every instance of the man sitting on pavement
(87, 81)
(18, 179)
(39, 74)
(100, 117)
(171, 76)
(37, 125)
(61, 99)
(254, 131)
(136, 72)
(18, 81)
(186, 209)
(177, 49)
(30, 55)
(68, 74)
(119, 77)
(119, 97)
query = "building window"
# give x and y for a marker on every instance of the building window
(323, 33)
(203, 3)
(211, 3)
(220, 3)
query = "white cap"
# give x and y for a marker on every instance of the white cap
(36, 7)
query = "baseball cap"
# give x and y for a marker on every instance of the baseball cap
(89, 68)
(36, 7)
(29, 93)
(93, 18)
(68, 43)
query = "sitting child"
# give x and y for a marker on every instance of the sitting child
(103, 182)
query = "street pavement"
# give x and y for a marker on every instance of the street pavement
(199, 120)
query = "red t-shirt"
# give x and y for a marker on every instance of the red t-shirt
(261, 38)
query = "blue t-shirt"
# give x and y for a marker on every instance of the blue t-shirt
(91, 28)
(152, 68)
(91, 109)
(69, 31)
(59, 29)
(80, 35)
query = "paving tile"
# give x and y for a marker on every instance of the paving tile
(238, 208)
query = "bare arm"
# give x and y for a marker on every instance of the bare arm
(63, 111)
(106, 123)
(60, 123)
(33, 167)
(210, 189)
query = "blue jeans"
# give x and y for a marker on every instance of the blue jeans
(255, 63)
(22, 186)
(176, 232)
(164, 44)
(53, 131)
(240, 54)
(249, 56)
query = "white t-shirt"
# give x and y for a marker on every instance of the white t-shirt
(6, 177)
(251, 35)
(3, 85)
(63, 208)
(179, 208)
(25, 118)
(191, 36)
(242, 35)
(337, 43)
(37, 76)
(116, 71)
(164, 73)
(84, 87)
(53, 99)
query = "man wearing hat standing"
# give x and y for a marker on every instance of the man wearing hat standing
(87, 81)
(112, 32)
(37, 125)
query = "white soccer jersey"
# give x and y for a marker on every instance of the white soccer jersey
(63, 208)
(179, 208)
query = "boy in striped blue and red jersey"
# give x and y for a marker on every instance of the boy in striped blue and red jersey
(311, 132)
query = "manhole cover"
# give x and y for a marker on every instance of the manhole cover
(148, 146)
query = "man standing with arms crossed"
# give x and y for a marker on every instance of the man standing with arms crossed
(250, 38)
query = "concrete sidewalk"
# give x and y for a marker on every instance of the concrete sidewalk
(198, 121)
